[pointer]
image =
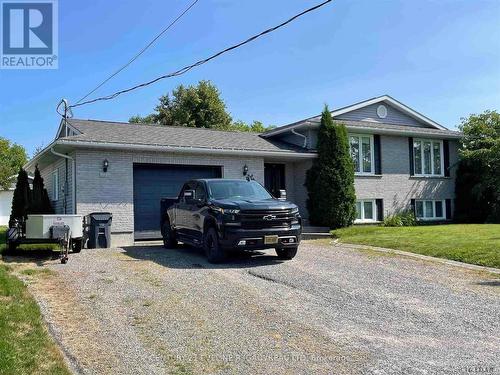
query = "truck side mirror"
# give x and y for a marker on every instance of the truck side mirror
(188, 195)
(282, 195)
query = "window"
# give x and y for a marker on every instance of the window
(365, 211)
(199, 193)
(55, 185)
(362, 153)
(428, 157)
(429, 209)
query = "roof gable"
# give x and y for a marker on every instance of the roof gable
(397, 113)
(366, 111)
(390, 115)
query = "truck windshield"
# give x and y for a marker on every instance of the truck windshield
(252, 190)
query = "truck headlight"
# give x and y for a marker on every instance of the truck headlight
(228, 211)
(295, 210)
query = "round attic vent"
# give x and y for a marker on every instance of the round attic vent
(382, 111)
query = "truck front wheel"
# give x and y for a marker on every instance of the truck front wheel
(169, 241)
(76, 245)
(287, 253)
(211, 246)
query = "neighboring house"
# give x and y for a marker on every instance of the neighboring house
(6, 202)
(403, 160)
(5, 205)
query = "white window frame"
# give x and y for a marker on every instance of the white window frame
(434, 217)
(374, 212)
(360, 156)
(55, 185)
(422, 161)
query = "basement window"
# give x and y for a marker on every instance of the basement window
(365, 211)
(430, 209)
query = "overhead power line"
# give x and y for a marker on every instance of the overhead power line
(201, 62)
(140, 52)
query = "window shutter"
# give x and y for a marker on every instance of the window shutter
(378, 154)
(380, 209)
(413, 207)
(448, 209)
(446, 157)
(410, 147)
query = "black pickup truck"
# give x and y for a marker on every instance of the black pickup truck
(221, 214)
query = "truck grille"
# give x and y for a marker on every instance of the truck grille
(262, 219)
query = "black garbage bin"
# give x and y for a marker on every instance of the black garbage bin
(99, 230)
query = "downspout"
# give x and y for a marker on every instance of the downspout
(301, 135)
(73, 181)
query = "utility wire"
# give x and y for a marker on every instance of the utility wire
(201, 62)
(140, 52)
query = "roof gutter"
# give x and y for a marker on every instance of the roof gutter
(73, 179)
(193, 150)
(404, 133)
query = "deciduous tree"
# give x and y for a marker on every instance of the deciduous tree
(478, 174)
(12, 157)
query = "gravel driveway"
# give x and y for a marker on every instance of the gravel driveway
(332, 310)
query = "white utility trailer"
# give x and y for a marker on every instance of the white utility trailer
(67, 230)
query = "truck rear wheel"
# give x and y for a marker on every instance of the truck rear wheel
(211, 246)
(169, 240)
(287, 253)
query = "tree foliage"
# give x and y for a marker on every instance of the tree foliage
(12, 157)
(21, 200)
(40, 202)
(199, 106)
(330, 181)
(478, 174)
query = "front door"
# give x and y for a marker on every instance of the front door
(274, 178)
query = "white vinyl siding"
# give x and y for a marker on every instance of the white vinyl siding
(366, 211)
(430, 209)
(362, 153)
(428, 157)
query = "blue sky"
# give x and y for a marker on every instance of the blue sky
(440, 57)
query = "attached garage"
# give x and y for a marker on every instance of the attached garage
(153, 182)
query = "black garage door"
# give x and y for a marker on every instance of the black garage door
(153, 182)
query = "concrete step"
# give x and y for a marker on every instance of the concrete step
(312, 233)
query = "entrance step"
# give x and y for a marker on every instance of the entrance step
(311, 233)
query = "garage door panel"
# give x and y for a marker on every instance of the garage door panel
(154, 182)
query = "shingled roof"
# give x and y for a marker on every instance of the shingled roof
(99, 132)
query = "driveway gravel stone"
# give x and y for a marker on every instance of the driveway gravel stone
(331, 310)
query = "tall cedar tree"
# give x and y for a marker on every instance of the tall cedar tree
(330, 181)
(21, 200)
(40, 203)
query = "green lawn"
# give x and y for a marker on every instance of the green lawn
(26, 247)
(469, 243)
(25, 345)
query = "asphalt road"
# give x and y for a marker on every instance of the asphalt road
(331, 310)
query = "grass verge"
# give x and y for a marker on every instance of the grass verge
(469, 243)
(25, 345)
(25, 247)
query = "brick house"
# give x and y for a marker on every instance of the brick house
(403, 160)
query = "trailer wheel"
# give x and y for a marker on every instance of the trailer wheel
(12, 246)
(76, 245)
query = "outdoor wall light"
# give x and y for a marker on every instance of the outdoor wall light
(245, 170)
(105, 165)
